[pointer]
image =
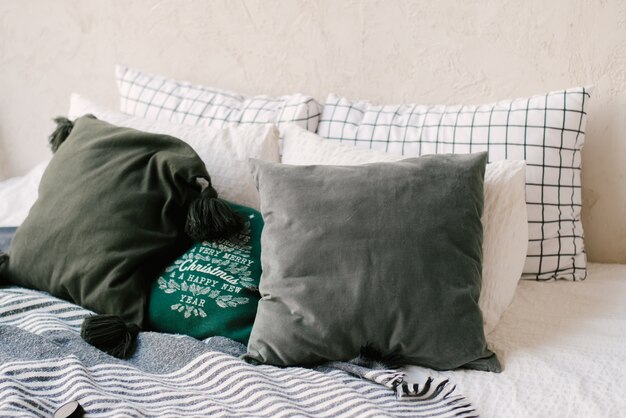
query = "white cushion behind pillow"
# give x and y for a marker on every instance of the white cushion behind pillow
(224, 151)
(18, 195)
(505, 225)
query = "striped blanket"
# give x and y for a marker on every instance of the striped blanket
(44, 364)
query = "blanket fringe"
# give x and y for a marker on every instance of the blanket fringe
(110, 334)
(396, 381)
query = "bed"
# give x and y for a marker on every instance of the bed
(562, 346)
(561, 343)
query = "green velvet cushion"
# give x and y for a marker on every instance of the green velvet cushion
(212, 289)
(109, 218)
(382, 256)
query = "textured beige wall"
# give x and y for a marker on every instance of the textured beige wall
(392, 51)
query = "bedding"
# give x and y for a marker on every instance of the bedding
(45, 364)
(159, 98)
(563, 348)
(548, 131)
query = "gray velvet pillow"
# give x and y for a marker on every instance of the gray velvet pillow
(385, 256)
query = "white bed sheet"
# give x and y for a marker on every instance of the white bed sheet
(563, 349)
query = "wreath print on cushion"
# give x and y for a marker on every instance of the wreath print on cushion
(212, 289)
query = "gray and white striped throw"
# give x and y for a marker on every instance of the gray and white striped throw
(44, 364)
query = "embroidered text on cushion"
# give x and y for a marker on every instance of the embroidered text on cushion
(548, 131)
(156, 97)
(212, 289)
(358, 257)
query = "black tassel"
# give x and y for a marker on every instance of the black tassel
(110, 334)
(60, 134)
(372, 357)
(369, 351)
(210, 218)
(63, 130)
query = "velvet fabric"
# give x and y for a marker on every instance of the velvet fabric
(109, 218)
(383, 258)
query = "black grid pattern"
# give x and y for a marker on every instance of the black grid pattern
(155, 97)
(547, 131)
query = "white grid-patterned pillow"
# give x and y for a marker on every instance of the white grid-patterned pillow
(547, 131)
(156, 97)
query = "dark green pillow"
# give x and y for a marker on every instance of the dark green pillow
(384, 257)
(111, 214)
(212, 289)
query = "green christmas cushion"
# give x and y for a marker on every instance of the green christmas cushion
(212, 289)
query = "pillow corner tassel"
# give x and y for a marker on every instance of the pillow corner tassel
(62, 131)
(60, 134)
(111, 334)
(210, 217)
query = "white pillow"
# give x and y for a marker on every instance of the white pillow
(18, 195)
(155, 97)
(547, 131)
(505, 225)
(224, 151)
